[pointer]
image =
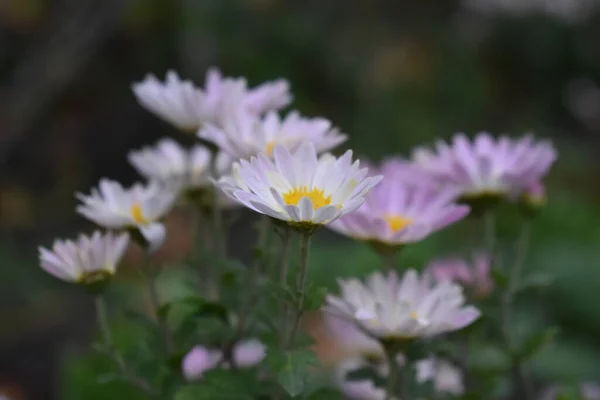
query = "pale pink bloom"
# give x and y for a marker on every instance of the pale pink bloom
(476, 275)
(81, 260)
(485, 165)
(446, 377)
(249, 353)
(401, 210)
(243, 135)
(386, 307)
(200, 359)
(299, 187)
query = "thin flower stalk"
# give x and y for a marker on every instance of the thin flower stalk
(126, 374)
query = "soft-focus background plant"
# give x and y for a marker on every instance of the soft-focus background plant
(391, 74)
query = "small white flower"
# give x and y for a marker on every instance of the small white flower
(446, 377)
(389, 308)
(139, 207)
(170, 163)
(85, 260)
(187, 107)
(299, 188)
(176, 101)
(243, 135)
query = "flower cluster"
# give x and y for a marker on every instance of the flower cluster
(248, 155)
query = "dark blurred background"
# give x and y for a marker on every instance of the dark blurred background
(392, 74)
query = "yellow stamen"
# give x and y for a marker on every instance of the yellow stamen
(136, 213)
(413, 315)
(269, 148)
(397, 222)
(316, 195)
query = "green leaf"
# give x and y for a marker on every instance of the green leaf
(298, 374)
(500, 277)
(221, 384)
(536, 343)
(325, 394)
(314, 297)
(281, 292)
(200, 308)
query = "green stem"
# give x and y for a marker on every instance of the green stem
(256, 268)
(395, 381)
(286, 245)
(507, 305)
(389, 261)
(301, 275)
(126, 374)
(489, 234)
(153, 291)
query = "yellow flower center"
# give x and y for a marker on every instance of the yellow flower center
(136, 213)
(413, 315)
(269, 148)
(316, 195)
(397, 222)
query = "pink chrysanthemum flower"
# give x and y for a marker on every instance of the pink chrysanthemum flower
(485, 166)
(476, 276)
(400, 210)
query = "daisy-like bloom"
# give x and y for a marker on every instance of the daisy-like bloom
(487, 167)
(477, 276)
(200, 359)
(398, 212)
(244, 135)
(187, 171)
(138, 208)
(175, 101)
(299, 188)
(391, 309)
(89, 260)
(187, 107)
(446, 377)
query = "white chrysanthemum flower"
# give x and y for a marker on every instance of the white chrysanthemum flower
(176, 101)
(388, 308)
(169, 163)
(182, 104)
(298, 187)
(86, 260)
(139, 208)
(243, 135)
